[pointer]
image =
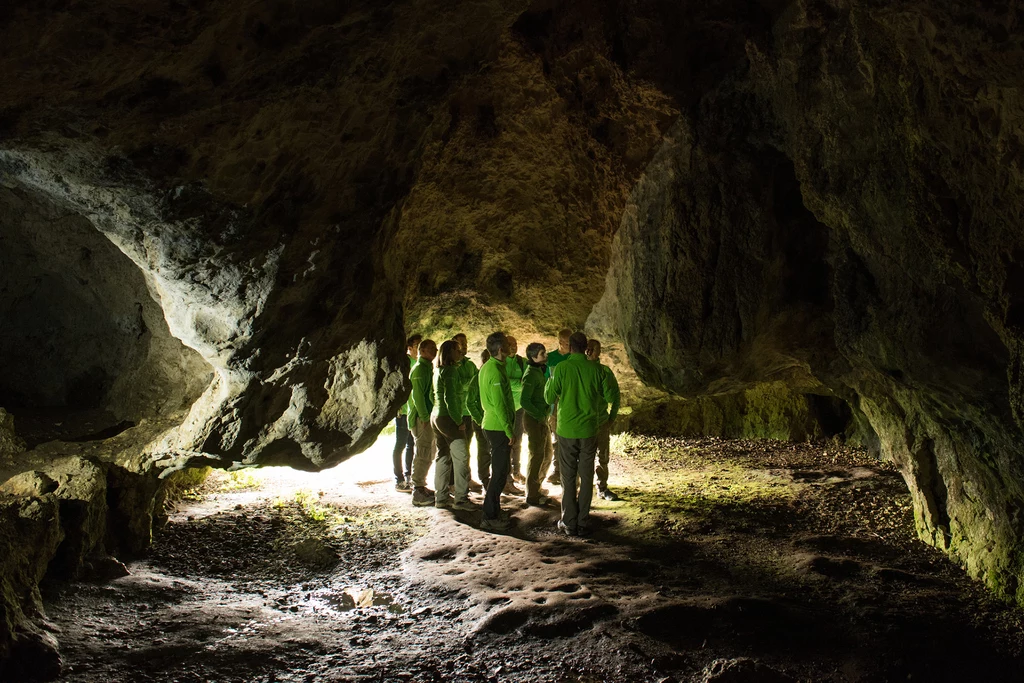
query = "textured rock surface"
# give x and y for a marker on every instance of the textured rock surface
(839, 213)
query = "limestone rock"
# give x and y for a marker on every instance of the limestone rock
(741, 670)
(824, 219)
(28, 485)
(10, 444)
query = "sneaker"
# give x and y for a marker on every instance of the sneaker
(512, 490)
(445, 504)
(518, 478)
(563, 529)
(498, 524)
(475, 486)
(555, 480)
(466, 506)
(422, 496)
(605, 494)
(403, 486)
(539, 501)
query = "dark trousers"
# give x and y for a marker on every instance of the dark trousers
(576, 465)
(483, 455)
(499, 444)
(517, 443)
(403, 440)
(604, 447)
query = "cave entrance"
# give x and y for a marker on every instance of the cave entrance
(85, 347)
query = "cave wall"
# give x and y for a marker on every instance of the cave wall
(843, 211)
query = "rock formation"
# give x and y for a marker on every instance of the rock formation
(215, 220)
(839, 214)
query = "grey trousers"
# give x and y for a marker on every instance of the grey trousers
(452, 459)
(604, 445)
(423, 458)
(540, 455)
(483, 455)
(576, 466)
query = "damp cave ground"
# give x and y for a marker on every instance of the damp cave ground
(801, 557)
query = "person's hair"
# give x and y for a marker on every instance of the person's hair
(485, 356)
(447, 353)
(414, 340)
(494, 342)
(427, 344)
(456, 336)
(564, 333)
(578, 343)
(533, 350)
(593, 345)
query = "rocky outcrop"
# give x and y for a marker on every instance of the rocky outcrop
(839, 214)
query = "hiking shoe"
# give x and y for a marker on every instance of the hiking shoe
(466, 506)
(475, 486)
(446, 503)
(512, 490)
(498, 524)
(403, 486)
(563, 529)
(518, 478)
(538, 502)
(605, 494)
(557, 481)
(422, 496)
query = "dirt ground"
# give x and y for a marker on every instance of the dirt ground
(723, 561)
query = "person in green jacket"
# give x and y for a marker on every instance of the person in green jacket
(579, 387)
(450, 431)
(476, 410)
(554, 358)
(421, 405)
(535, 421)
(604, 425)
(403, 437)
(515, 368)
(499, 425)
(472, 418)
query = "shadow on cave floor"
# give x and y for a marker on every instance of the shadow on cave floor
(790, 561)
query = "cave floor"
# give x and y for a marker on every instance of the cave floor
(786, 560)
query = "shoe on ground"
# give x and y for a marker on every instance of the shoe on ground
(556, 481)
(422, 496)
(466, 506)
(403, 486)
(446, 504)
(512, 490)
(539, 501)
(475, 486)
(498, 524)
(606, 494)
(564, 530)
(518, 478)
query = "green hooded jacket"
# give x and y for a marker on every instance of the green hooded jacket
(515, 368)
(450, 392)
(404, 409)
(496, 398)
(421, 400)
(533, 393)
(554, 358)
(579, 386)
(471, 394)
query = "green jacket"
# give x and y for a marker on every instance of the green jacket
(612, 385)
(421, 400)
(471, 390)
(404, 410)
(496, 398)
(515, 368)
(554, 358)
(533, 394)
(583, 395)
(451, 394)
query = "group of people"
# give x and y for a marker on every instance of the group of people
(564, 401)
